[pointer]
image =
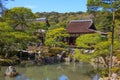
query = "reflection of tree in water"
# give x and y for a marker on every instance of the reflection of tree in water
(19, 77)
(57, 72)
(77, 71)
(22, 77)
(96, 77)
(8, 78)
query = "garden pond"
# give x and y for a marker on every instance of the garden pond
(62, 71)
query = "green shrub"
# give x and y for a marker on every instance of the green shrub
(55, 50)
(118, 56)
(6, 62)
(115, 69)
(104, 72)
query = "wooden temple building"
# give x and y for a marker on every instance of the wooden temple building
(79, 27)
(41, 32)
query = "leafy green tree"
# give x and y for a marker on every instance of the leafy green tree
(117, 24)
(107, 5)
(38, 25)
(11, 40)
(82, 57)
(103, 21)
(101, 49)
(55, 37)
(18, 17)
(88, 40)
(96, 6)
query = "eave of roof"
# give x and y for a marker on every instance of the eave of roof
(80, 26)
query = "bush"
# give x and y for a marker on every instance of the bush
(6, 62)
(118, 56)
(115, 69)
(104, 72)
(56, 50)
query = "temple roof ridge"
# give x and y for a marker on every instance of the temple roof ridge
(82, 20)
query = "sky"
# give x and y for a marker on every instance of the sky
(61, 6)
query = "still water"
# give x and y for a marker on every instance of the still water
(73, 71)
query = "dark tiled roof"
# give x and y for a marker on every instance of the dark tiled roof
(81, 26)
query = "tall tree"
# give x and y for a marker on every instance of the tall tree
(94, 6)
(108, 5)
(18, 17)
(100, 44)
(11, 40)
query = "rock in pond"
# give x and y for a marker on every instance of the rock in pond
(11, 72)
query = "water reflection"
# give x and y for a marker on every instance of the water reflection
(8, 78)
(21, 77)
(96, 77)
(63, 77)
(47, 79)
(73, 71)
